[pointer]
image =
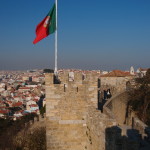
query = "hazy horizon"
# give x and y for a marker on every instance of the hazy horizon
(92, 35)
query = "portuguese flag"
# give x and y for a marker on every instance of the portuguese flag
(46, 26)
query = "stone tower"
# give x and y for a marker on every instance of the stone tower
(66, 110)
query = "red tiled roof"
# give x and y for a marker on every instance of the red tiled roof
(24, 88)
(3, 111)
(142, 69)
(20, 111)
(33, 105)
(16, 97)
(17, 104)
(117, 73)
(35, 99)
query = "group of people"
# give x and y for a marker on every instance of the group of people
(107, 94)
(103, 96)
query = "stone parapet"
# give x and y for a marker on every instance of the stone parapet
(65, 115)
(97, 122)
(116, 84)
(73, 121)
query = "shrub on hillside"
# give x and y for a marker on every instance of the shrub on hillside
(140, 98)
(34, 139)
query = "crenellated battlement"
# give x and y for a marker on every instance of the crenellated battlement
(66, 109)
(72, 77)
(73, 121)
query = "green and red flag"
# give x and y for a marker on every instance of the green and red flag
(46, 26)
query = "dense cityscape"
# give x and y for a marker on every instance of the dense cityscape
(23, 92)
(23, 96)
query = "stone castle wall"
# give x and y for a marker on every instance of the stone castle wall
(73, 121)
(125, 116)
(66, 110)
(118, 106)
(116, 84)
(97, 122)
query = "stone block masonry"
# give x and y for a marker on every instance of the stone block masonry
(116, 84)
(73, 121)
(66, 109)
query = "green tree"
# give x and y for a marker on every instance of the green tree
(48, 71)
(140, 98)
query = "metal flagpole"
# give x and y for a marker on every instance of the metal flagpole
(55, 71)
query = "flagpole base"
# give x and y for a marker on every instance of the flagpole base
(56, 72)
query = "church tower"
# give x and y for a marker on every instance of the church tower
(132, 70)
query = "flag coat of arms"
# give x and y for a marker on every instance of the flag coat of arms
(46, 26)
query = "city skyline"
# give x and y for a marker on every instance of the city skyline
(102, 35)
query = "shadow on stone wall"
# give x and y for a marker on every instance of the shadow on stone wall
(56, 80)
(102, 99)
(131, 140)
(101, 104)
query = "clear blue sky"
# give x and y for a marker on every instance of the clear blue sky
(92, 34)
